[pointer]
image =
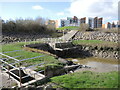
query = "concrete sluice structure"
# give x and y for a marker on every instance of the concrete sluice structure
(22, 75)
(28, 76)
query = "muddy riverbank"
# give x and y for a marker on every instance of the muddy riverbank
(100, 59)
(97, 64)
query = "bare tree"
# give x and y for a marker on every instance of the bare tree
(84, 27)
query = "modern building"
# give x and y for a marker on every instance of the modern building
(52, 23)
(103, 26)
(108, 25)
(83, 20)
(64, 22)
(113, 25)
(95, 22)
(56, 24)
(99, 23)
(118, 24)
(91, 22)
(70, 21)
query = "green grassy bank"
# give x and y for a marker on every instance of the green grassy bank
(27, 54)
(86, 79)
(68, 28)
(95, 43)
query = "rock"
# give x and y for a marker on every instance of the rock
(48, 87)
(96, 35)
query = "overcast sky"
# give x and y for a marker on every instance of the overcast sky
(57, 9)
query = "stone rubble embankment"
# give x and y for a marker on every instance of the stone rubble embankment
(97, 35)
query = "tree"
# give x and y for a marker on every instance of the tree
(84, 27)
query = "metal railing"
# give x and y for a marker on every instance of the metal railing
(18, 68)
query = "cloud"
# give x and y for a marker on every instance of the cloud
(60, 13)
(92, 8)
(37, 7)
(35, 0)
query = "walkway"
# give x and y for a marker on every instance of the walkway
(69, 35)
(65, 38)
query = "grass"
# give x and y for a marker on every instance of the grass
(27, 54)
(68, 27)
(86, 79)
(95, 43)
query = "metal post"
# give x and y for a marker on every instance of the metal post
(8, 70)
(34, 41)
(29, 41)
(20, 75)
(1, 84)
(63, 36)
(44, 66)
(25, 42)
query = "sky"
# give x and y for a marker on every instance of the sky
(59, 9)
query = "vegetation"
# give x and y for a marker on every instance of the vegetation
(26, 26)
(84, 27)
(68, 28)
(112, 30)
(26, 54)
(95, 43)
(86, 79)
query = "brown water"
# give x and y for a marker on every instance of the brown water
(98, 64)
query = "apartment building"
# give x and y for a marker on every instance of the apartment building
(64, 22)
(52, 23)
(95, 22)
(83, 20)
(109, 25)
(99, 23)
(70, 21)
(118, 24)
(91, 22)
(113, 25)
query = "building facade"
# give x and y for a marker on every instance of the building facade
(70, 21)
(83, 20)
(95, 22)
(52, 23)
(91, 22)
(100, 22)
